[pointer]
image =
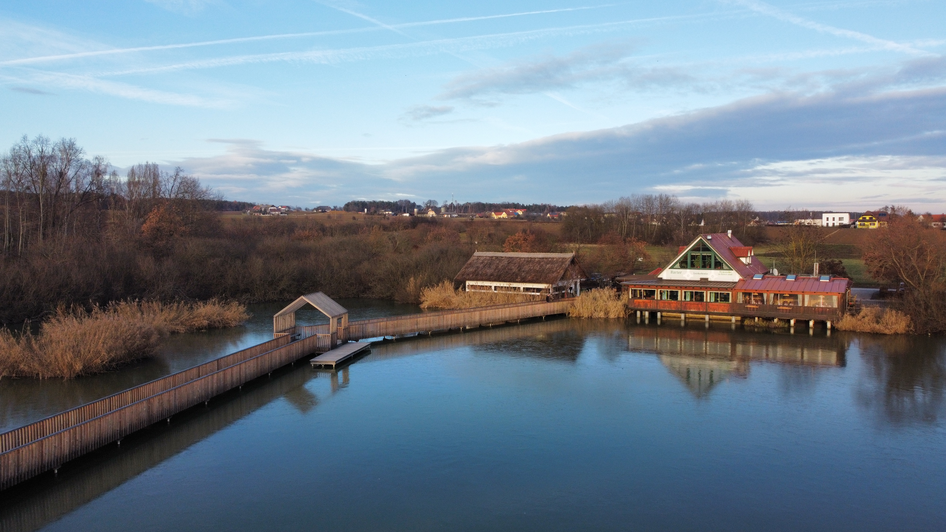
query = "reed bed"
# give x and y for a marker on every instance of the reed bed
(598, 303)
(75, 342)
(876, 320)
(444, 296)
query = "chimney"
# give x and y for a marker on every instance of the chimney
(729, 233)
(815, 273)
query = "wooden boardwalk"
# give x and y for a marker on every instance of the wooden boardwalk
(47, 444)
(339, 354)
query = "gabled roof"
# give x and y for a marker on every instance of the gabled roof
(727, 248)
(320, 301)
(542, 268)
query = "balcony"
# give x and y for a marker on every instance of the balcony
(786, 312)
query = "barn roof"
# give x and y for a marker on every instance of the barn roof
(542, 268)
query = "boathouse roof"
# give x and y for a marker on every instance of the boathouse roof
(540, 268)
(320, 301)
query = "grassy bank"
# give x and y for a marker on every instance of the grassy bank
(75, 342)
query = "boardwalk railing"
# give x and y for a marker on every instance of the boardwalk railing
(453, 319)
(47, 444)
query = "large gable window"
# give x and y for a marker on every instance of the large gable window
(702, 257)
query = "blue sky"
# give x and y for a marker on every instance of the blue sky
(809, 104)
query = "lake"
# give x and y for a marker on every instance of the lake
(550, 425)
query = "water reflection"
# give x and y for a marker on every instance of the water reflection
(46, 499)
(905, 381)
(702, 358)
(23, 401)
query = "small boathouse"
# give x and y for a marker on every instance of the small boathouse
(715, 276)
(542, 275)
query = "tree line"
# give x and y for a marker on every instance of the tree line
(660, 219)
(52, 194)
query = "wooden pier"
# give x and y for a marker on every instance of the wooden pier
(47, 444)
(339, 354)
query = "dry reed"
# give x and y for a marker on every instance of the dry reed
(77, 342)
(598, 303)
(443, 296)
(876, 320)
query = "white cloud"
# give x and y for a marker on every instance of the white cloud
(828, 149)
(423, 112)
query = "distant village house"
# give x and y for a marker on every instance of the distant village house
(836, 219)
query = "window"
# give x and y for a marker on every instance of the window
(702, 257)
(642, 293)
(787, 300)
(820, 300)
(719, 297)
(752, 298)
(691, 295)
(668, 295)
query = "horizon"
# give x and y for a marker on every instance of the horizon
(836, 106)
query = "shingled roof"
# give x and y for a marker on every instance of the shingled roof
(542, 268)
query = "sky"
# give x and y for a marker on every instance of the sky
(827, 105)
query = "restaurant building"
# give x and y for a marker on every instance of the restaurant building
(716, 277)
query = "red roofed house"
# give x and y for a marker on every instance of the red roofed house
(717, 276)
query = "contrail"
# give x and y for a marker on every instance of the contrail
(450, 45)
(772, 11)
(239, 40)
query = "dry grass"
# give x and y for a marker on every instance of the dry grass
(875, 320)
(77, 342)
(598, 303)
(443, 296)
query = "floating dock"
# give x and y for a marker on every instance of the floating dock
(339, 354)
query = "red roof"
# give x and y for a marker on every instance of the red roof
(725, 246)
(806, 285)
(743, 251)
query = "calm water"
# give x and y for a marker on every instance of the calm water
(555, 425)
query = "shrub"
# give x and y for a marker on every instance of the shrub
(598, 303)
(876, 320)
(78, 342)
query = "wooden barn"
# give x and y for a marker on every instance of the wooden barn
(544, 275)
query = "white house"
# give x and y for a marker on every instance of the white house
(717, 257)
(835, 219)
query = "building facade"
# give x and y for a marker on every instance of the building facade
(835, 219)
(715, 275)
